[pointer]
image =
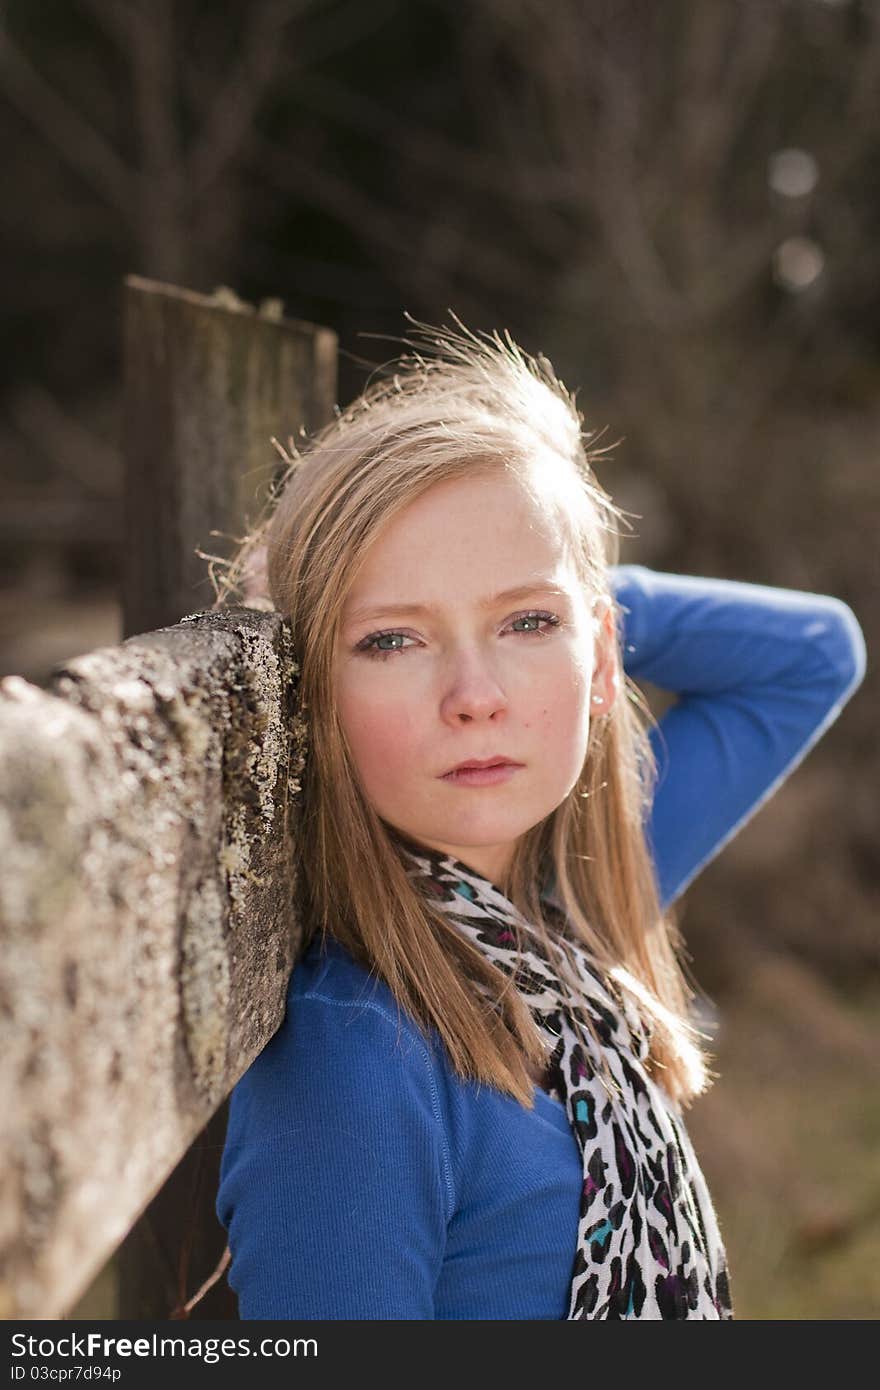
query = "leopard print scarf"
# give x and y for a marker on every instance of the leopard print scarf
(648, 1244)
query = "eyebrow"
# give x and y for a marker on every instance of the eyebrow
(399, 610)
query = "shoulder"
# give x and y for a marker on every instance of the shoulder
(346, 1008)
(342, 1022)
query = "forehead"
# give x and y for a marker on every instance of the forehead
(464, 539)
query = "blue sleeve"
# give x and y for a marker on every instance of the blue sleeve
(760, 674)
(335, 1182)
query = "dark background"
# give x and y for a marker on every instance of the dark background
(679, 205)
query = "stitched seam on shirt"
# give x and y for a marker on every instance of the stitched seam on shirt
(435, 1099)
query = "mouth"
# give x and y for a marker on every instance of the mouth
(483, 772)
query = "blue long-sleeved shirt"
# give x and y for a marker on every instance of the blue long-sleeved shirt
(361, 1177)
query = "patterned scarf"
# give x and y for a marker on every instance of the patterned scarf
(648, 1244)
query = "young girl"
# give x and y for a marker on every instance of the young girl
(473, 1109)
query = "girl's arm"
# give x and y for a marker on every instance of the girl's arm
(760, 673)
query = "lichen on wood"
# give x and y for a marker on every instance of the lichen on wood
(147, 826)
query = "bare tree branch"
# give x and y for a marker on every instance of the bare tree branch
(163, 181)
(395, 233)
(470, 166)
(117, 19)
(72, 447)
(227, 127)
(66, 130)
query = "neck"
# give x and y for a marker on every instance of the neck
(438, 854)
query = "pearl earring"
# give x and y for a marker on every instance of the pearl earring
(598, 700)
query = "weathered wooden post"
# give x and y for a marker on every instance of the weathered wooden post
(208, 382)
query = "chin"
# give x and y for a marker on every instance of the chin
(486, 835)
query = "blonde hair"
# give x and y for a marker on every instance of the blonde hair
(463, 404)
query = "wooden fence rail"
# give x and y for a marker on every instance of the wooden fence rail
(146, 934)
(147, 823)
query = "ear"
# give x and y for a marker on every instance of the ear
(605, 686)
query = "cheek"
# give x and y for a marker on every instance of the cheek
(560, 685)
(382, 734)
(560, 702)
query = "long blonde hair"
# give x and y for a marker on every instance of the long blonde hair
(462, 404)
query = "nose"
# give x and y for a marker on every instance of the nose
(474, 693)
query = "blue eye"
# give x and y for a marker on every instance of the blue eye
(367, 645)
(538, 618)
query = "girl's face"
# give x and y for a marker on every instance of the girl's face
(437, 664)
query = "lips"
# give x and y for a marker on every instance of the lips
(487, 773)
(499, 761)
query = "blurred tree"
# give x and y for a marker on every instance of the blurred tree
(599, 177)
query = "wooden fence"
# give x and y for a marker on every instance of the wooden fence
(147, 819)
